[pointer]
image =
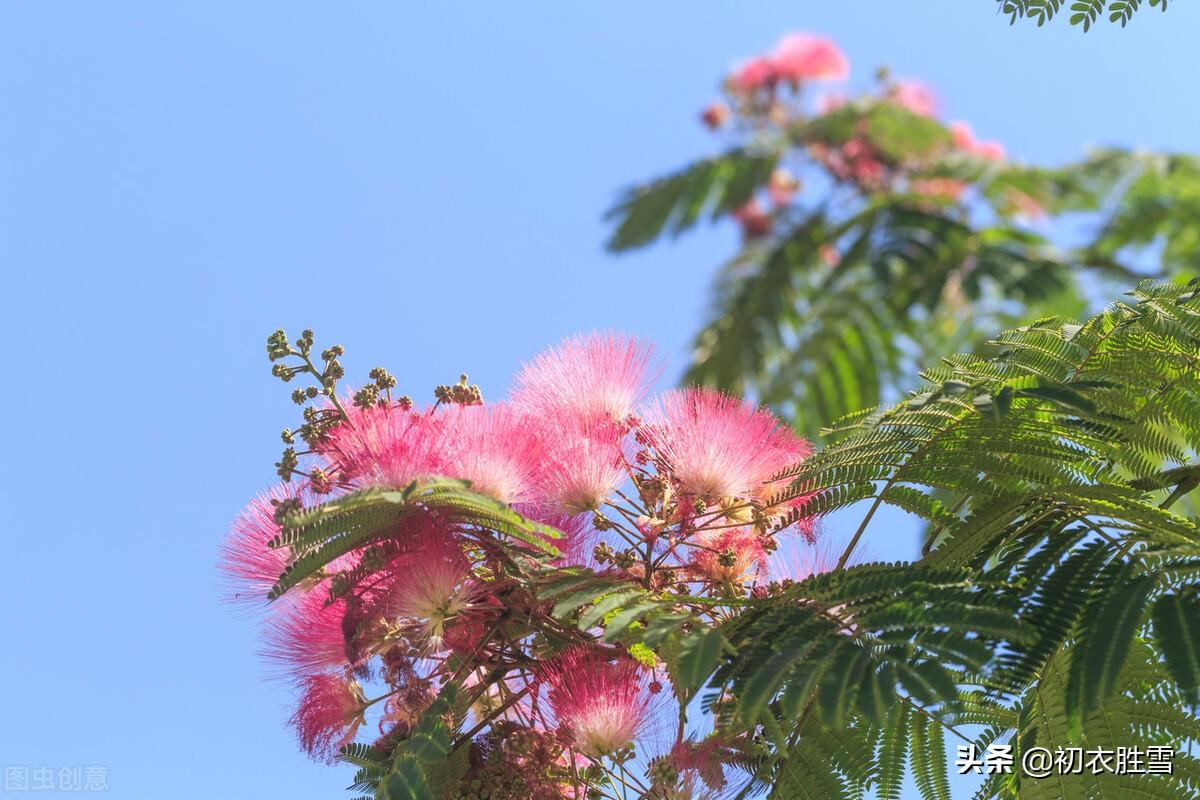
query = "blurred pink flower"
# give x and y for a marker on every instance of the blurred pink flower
(939, 188)
(803, 56)
(964, 139)
(752, 75)
(829, 255)
(830, 101)
(715, 115)
(917, 97)
(782, 186)
(755, 221)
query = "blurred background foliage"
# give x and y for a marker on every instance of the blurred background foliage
(877, 237)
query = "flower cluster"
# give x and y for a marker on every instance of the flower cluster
(682, 496)
(851, 141)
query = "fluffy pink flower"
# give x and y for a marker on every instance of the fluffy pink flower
(802, 56)
(705, 759)
(829, 255)
(795, 561)
(915, 96)
(328, 716)
(384, 446)
(939, 188)
(964, 139)
(583, 465)
(715, 115)
(782, 186)
(492, 447)
(830, 101)
(579, 535)
(716, 446)
(755, 221)
(600, 703)
(727, 555)
(752, 75)
(597, 378)
(250, 567)
(432, 583)
(309, 635)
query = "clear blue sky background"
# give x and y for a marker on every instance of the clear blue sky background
(424, 185)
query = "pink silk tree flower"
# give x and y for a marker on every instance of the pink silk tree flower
(950, 189)
(309, 635)
(600, 703)
(964, 139)
(756, 222)
(383, 446)
(794, 561)
(803, 56)
(583, 465)
(727, 555)
(753, 74)
(251, 567)
(593, 379)
(432, 584)
(491, 446)
(718, 447)
(782, 186)
(715, 115)
(578, 535)
(915, 96)
(328, 715)
(830, 101)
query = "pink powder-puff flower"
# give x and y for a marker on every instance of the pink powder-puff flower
(949, 189)
(794, 561)
(600, 703)
(755, 221)
(753, 74)
(782, 186)
(716, 446)
(383, 446)
(715, 115)
(593, 379)
(802, 56)
(705, 758)
(492, 447)
(249, 565)
(465, 637)
(578, 535)
(583, 465)
(914, 96)
(432, 584)
(830, 102)
(310, 634)
(727, 556)
(964, 139)
(829, 255)
(328, 715)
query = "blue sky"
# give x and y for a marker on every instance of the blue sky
(422, 183)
